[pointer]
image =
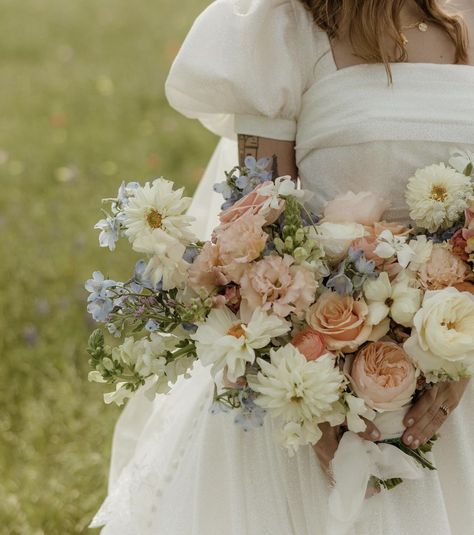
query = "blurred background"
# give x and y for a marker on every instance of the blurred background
(82, 107)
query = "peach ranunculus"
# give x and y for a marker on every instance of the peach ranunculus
(275, 283)
(364, 208)
(309, 343)
(342, 320)
(443, 269)
(252, 203)
(384, 376)
(241, 243)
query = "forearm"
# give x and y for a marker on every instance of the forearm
(282, 153)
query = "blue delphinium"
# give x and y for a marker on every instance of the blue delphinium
(352, 273)
(100, 302)
(110, 232)
(250, 415)
(191, 253)
(258, 168)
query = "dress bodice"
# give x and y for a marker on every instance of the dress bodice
(355, 131)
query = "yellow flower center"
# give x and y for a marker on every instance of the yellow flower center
(236, 331)
(154, 219)
(439, 193)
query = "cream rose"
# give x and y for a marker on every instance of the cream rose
(341, 320)
(442, 341)
(364, 208)
(443, 269)
(383, 375)
(336, 238)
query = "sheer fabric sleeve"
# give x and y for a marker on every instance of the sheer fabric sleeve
(243, 67)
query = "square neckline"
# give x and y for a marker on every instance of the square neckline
(392, 65)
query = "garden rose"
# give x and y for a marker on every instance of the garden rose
(341, 320)
(252, 203)
(459, 245)
(442, 340)
(364, 208)
(275, 283)
(442, 269)
(336, 238)
(241, 243)
(309, 343)
(383, 375)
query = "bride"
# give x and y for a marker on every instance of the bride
(345, 94)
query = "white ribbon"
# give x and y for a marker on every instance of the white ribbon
(355, 461)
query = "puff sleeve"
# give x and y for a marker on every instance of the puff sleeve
(243, 67)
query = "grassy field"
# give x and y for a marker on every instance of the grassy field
(81, 107)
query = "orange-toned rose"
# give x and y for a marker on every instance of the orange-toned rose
(341, 320)
(384, 376)
(465, 287)
(309, 343)
(443, 269)
(252, 203)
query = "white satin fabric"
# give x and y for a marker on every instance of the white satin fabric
(261, 67)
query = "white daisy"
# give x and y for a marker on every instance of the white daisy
(296, 389)
(224, 340)
(166, 264)
(158, 206)
(437, 196)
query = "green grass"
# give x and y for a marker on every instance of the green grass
(82, 108)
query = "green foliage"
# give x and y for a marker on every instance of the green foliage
(83, 107)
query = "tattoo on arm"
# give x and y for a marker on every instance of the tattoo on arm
(249, 146)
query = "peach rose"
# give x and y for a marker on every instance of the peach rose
(275, 283)
(364, 208)
(443, 269)
(342, 321)
(241, 243)
(465, 287)
(309, 343)
(252, 203)
(383, 375)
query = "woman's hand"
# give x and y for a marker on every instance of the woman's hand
(428, 414)
(327, 445)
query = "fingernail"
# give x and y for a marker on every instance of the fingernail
(409, 439)
(411, 421)
(416, 443)
(375, 434)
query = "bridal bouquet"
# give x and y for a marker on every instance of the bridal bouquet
(305, 319)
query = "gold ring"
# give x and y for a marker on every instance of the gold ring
(445, 409)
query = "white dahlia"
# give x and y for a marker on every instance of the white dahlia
(437, 196)
(158, 206)
(166, 264)
(297, 389)
(225, 340)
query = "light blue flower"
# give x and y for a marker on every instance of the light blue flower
(250, 415)
(259, 168)
(114, 330)
(109, 235)
(123, 195)
(190, 254)
(242, 181)
(98, 286)
(341, 283)
(152, 325)
(100, 308)
(224, 189)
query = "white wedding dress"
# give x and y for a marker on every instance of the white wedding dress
(262, 67)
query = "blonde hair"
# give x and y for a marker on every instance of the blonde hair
(367, 23)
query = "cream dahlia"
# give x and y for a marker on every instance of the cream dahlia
(158, 206)
(437, 196)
